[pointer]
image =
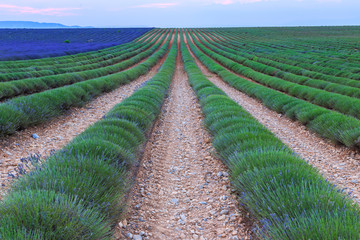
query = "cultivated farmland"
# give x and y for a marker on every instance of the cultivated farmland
(18, 44)
(233, 133)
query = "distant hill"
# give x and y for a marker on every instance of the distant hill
(29, 24)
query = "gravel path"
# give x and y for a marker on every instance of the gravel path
(338, 164)
(54, 134)
(182, 191)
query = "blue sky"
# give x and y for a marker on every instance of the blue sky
(184, 13)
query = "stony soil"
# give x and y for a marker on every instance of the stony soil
(182, 190)
(56, 133)
(338, 164)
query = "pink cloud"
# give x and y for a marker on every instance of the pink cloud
(42, 11)
(156, 5)
(225, 2)
(228, 2)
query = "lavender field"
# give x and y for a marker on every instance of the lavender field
(180, 133)
(18, 44)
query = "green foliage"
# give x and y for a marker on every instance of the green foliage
(80, 191)
(40, 107)
(16, 70)
(51, 214)
(103, 70)
(335, 126)
(285, 196)
(292, 84)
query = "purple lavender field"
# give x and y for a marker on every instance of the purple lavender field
(16, 44)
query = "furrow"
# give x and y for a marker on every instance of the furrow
(181, 192)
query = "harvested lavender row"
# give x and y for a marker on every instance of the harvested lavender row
(21, 112)
(329, 124)
(80, 191)
(287, 198)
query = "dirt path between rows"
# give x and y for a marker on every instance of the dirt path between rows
(217, 36)
(182, 190)
(210, 36)
(258, 82)
(338, 164)
(56, 133)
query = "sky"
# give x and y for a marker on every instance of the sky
(184, 13)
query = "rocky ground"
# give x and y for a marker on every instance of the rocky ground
(56, 133)
(337, 163)
(182, 190)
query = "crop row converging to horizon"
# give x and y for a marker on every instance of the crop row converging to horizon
(311, 75)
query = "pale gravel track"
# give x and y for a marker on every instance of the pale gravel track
(179, 194)
(53, 135)
(338, 164)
